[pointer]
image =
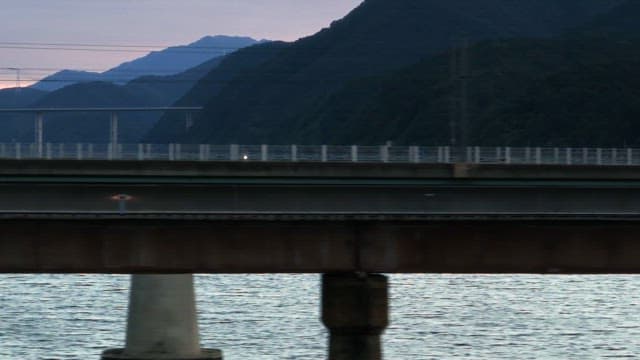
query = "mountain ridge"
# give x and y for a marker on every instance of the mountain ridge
(268, 103)
(581, 88)
(169, 61)
(147, 91)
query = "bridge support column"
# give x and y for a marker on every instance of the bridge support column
(39, 137)
(355, 310)
(113, 136)
(162, 321)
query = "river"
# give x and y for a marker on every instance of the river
(277, 316)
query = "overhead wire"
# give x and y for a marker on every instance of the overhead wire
(184, 50)
(26, 71)
(98, 72)
(160, 47)
(194, 50)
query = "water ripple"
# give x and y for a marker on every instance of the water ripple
(277, 316)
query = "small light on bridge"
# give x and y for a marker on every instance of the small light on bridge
(122, 197)
(245, 157)
(122, 202)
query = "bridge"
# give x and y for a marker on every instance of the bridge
(349, 220)
(38, 146)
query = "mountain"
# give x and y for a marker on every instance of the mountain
(169, 61)
(147, 91)
(94, 127)
(271, 103)
(522, 92)
(63, 78)
(621, 21)
(177, 59)
(12, 123)
(241, 63)
(19, 97)
(581, 88)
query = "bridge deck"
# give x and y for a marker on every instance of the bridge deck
(296, 217)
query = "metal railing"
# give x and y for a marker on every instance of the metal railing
(323, 153)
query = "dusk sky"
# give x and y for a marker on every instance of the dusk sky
(142, 22)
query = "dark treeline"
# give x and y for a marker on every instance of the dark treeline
(540, 73)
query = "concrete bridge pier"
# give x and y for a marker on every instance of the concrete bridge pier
(162, 321)
(355, 309)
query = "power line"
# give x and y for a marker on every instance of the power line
(37, 69)
(97, 80)
(174, 50)
(154, 80)
(149, 71)
(139, 47)
(243, 76)
(171, 48)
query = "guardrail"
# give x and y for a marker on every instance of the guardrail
(323, 153)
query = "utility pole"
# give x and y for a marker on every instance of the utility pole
(17, 70)
(459, 112)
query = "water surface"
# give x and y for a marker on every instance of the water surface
(277, 316)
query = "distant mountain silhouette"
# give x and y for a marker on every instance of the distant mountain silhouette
(19, 97)
(242, 63)
(13, 124)
(172, 60)
(274, 101)
(149, 91)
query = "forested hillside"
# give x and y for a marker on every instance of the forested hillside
(295, 94)
(521, 92)
(581, 88)
(170, 61)
(147, 91)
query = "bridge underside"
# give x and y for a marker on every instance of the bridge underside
(262, 246)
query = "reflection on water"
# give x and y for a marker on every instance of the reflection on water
(277, 316)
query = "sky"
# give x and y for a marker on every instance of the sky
(140, 24)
